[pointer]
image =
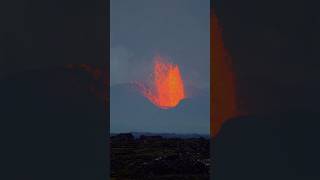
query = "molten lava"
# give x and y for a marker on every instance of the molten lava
(167, 87)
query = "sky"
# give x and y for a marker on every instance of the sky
(176, 29)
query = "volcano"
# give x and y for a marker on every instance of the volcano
(166, 89)
(162, 104)
(131, 111)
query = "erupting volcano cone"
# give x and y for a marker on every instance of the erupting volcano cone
(167, 87)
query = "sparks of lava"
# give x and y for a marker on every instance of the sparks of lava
(167, 87)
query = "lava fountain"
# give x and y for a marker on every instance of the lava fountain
(166, 89)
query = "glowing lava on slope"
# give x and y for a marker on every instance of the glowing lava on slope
(167, 87)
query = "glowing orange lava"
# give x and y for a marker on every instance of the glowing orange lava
(167, 87)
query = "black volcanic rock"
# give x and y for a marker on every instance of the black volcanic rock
(143, 137)
(123, 137)
(154, 157)
(171, 135)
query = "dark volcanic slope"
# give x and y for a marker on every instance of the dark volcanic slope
(157, 158)
(130, 111)
(52, 126)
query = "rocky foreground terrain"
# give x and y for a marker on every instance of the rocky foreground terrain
(155, 157)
